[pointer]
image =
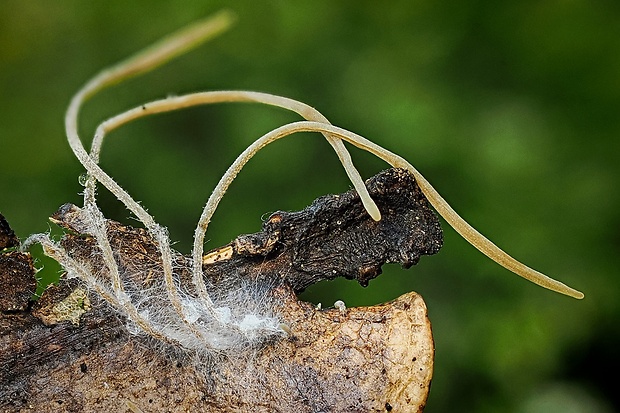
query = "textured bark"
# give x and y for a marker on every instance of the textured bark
(71, 351)
(17, 283)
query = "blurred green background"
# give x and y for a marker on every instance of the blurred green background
(511, 110)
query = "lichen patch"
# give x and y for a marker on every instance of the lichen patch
(69, 309)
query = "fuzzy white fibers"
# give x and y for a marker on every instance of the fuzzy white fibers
(245, 317)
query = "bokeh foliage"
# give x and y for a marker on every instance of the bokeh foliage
(511, 109)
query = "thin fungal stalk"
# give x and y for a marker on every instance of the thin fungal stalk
(148, 60)
(468, 232)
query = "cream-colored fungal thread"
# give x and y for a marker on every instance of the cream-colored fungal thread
(459, 224)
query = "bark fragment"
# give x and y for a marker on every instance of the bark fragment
(335, 237)
(336, 360)
(17, 281)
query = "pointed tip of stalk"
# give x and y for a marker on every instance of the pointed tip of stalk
(577, 294)
(197, 33)
(372, 209)
(222, 19)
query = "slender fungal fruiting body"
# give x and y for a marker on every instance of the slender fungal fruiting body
(198, 314)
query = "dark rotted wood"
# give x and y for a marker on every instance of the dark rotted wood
(29, 348)
(335, 236)
(17, 280)
(8, 239)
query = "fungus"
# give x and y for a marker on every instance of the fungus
(201, 318)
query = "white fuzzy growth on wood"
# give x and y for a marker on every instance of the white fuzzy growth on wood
(195, 322)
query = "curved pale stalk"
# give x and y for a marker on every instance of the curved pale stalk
(149, 59)
(468, 232)
(203, 98)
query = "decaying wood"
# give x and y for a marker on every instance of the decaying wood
(17, 283)
(71, 351)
